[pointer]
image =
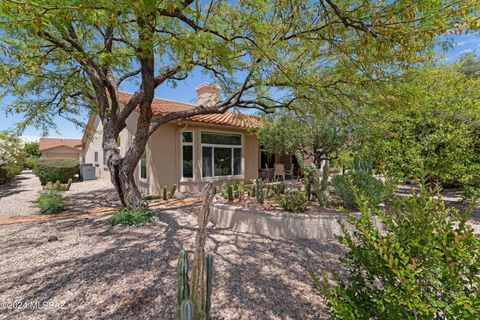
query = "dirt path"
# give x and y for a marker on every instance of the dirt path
(17, 198)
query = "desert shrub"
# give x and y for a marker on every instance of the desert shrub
(8, 172)
(293, 201)
(129, 216)
(371, 188)
(30, 163)
(52, 170)
(423, 265)
(51, 202)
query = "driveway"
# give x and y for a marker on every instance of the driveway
(17, 198)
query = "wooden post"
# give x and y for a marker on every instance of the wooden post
(198, 267)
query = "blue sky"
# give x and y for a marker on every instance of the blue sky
(185, 91)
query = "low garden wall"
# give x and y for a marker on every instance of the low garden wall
(320, 226)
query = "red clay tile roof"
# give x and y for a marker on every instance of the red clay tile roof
(231, 119)
(49, 143)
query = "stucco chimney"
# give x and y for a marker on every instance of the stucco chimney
(207, 94)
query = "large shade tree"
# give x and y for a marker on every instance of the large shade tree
(430, 128)
(59, 56)
(318, 136)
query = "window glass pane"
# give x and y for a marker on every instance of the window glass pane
(207, 161)
(237, 161)
(95, 156)
(187, 137)
(143, 166)
(222, 161)
(221, 138)
(187, 161)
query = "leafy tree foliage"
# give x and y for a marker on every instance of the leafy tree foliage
(431, 131)
(318, 136)
(424, 266)
(59, 56)
(32, 149)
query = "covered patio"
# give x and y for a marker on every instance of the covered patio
(278, 167)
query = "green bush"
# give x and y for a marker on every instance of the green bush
(423, 265)
(52, 170)
(8, 172)
(129, 216)
(368, 186)
(51, 202)
(30, 163)
(293, 201)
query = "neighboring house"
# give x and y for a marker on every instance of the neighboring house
(184, 152)
(60, 148)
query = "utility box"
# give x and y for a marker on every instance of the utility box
(87, 171)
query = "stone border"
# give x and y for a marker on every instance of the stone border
(285, 225)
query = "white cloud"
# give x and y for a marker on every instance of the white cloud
(465, 42)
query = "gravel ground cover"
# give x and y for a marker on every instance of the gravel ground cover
(17, 198)
(95, 271)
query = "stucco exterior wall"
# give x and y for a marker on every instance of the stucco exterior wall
(61, 153)
(163, 152)
(164, 158)
(94, 144)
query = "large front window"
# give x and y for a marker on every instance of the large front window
(143, 166)
(221, 154)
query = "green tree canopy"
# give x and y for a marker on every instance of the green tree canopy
(59, 56)
(432, 131)
(32, 149)
(317, 136)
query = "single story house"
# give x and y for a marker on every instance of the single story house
(60, 148)
(214, 147)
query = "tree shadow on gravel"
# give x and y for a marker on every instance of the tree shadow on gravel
(106, 272)
(84, 201)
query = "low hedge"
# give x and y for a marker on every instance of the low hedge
(53, 170)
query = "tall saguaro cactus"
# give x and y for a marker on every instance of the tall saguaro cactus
(195, 305)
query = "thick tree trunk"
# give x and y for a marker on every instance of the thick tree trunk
(122, 170)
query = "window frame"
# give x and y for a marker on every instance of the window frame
(182, 178)
(241, 146)
(95, 156)
(141, 179)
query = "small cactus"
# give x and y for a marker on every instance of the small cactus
(183, 288)
(208, 281)
(230, 194)
(164, 193)
(69, 184)
(172, 191)
(57, 185)
(260, 194)
(186, 310)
